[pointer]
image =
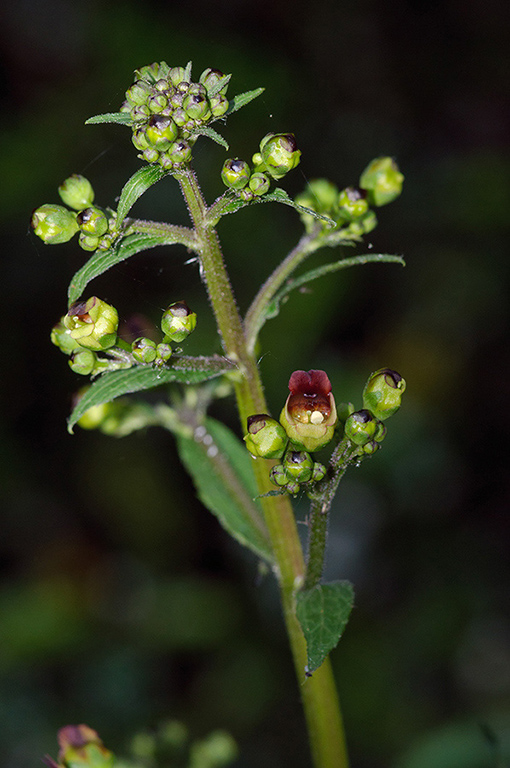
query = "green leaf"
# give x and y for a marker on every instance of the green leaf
(323, 612)
(279, 195)
(134, 188)
(184, 370)
(101, 261)
(212, 134)
(273, 307)
(242, 99)
(121, 118)
(187, 72)
(222, 471)
(220, 85)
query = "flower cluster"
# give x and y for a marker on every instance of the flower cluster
(55, 224)
(168, 111)
(278, 154)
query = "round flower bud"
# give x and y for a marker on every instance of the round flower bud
(309, 415)
(54, 224)
(259, 184)
(152, 72)
(352, 203)
(211, 78)
(151, 155)
(161, 132)
(81, 746)
(178, 321)
(370, 448)
(382, 180)
(383, 393)
(140, 113)
(197, 107)
(176, 75)
(93, 324)
(83, 361)
(319, 472)
(157, 103)
(93, 221)
(179, 117)
(61, 338)
(144, 350)
(279, 154)
(139, 139)
(235, 173)
(266, 437)
(138, 93)
(298, 466)
(278, 476)
(163, 352)
(76, 192)
(361, 426)
(179, 153)
(219, 104)
(88, 242)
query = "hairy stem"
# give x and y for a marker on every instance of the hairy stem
(318, 692)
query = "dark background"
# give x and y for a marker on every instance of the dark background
(122, 602)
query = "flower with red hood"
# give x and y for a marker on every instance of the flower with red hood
(309, 415)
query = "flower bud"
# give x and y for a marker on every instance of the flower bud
(93, 324)
(309, 415)
(382, 180)
(54, 224)
(279, 153)
(61, 338)
(211, 78)
(76, 192)
(219, 104)
(370, 448)
(235, 173)
(157, 103)
(139, 139)
(144, 350)
(88, 242)
(319, 472)
(298, 466)
(161, 132)
(259, 184)
(361, 426)
(278, 475)
(152, 72)
(352, 203)
(196, 106)
(178, 321)
(140, 113)
(266, 437)
(93, 221)
(138, 93)
(176, 75)
(383, 393)
(151, 155)
(81, 746)
(179, 153)
(163, 352)
(83, 361)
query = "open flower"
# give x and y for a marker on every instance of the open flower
(309, 415)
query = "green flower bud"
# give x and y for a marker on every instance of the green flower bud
(152, 72)
(140, 113)
(161, 132)
(93, 323)
(157, 103)
(176, 75)
(164, 352)
(319, 472)
(211, 78)
(309, 415)
(382, 180)
(138, 93)
(259, 184)
(83, 361)
(93, 221)
(179, 117)
(344, 410)
(94, 416)
(76, 192)
(197, 107)
(144, 350)
(179, 153)
(178, 321)
(139, 139)
(219, 104)
(151, 155)
(88, 242)
(54, 224)
(279, 154)
(370, 448)
(383, 393)
(81, 747)
(361, 426)
(352, 203)
(368, 222)
(380, 432)
(278, 475)
(298, 466)
(61, 338)
(266, 437)
(235, 173)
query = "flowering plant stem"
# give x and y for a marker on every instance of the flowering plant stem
(318, 692)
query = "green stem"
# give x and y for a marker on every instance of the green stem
(174, 233)
(318, 692)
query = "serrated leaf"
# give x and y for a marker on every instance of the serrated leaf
(323, 612)
(242, 99)
(187, 72)
(121, 118)
(101, 261)
(212, 134)
(279, 195)
(221, 469)
(183, 370)
(220, 85)
(134, 188)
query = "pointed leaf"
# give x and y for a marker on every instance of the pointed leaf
(242, 99)
(323, 612)
(279, 195)
(187, 72)
(184, 370)
(222, 471)
(101, 261)
(134, 188)
(220, 85)
(122, 118)
(212, 134)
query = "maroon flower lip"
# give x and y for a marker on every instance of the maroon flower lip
(310, 398)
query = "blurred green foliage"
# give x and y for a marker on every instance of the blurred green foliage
(122, 603)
